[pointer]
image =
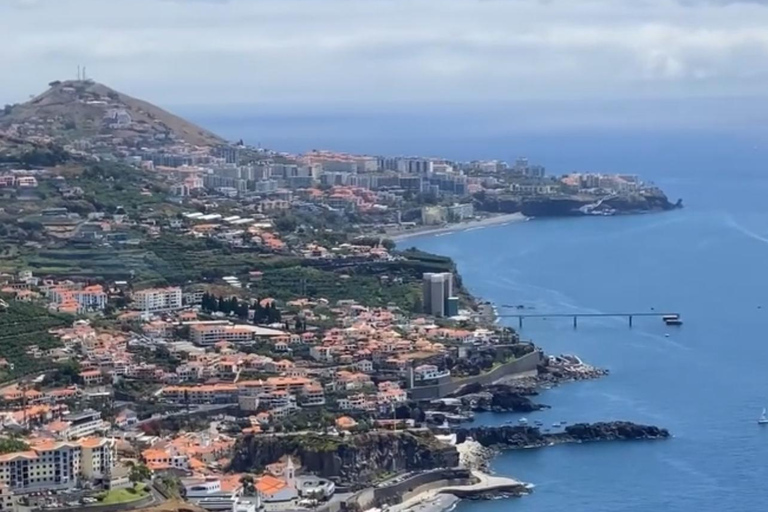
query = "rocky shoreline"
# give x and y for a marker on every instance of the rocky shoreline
(511, 394)
(556, 370)
(518, 437)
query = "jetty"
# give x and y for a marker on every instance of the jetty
(668, 318)
(487, 484)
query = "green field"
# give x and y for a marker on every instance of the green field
(124, 495)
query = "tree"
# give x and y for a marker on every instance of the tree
(248, 487)
(286, 223)
(10, 445)
(139, 473)
(66, 374)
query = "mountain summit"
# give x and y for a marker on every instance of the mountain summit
(87, 111)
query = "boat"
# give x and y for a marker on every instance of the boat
(762, 420)
(523, 421)
(539, 423)
(556, 425)
(672, 319)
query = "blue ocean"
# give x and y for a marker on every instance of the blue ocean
(707, 381)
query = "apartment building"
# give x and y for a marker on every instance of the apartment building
(57, 465)
(85, 423)
(7, 499)
(209, 334)
(197, 395)
(313, 395)
(158, 299)
(67, 299)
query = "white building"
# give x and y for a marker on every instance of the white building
(210, 494)
(158, 299)
(85, 423)
(51, 465)
(430, 372)
(276, 493)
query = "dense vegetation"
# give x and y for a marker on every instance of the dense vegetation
(23, 325)
(31, 157)
(290, 283)
(266, 314)
(10, 445)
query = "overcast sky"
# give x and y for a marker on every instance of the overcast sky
(378, 53)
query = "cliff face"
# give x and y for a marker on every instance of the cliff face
(568, 206)
(526, 437)
(356, 460)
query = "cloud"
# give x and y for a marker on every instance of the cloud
(295, 53)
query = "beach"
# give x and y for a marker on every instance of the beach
(495, 220)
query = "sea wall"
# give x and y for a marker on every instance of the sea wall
(526, 363)
(409, 488)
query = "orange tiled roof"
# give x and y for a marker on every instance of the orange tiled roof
(270, 485)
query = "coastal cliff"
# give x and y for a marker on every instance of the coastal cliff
(529, 437)
(355, 460)
(569, 206)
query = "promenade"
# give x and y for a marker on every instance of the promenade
(443, 498)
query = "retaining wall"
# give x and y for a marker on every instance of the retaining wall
(523, 364)
(407, 488)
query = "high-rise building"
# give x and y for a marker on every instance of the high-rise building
(437, 288)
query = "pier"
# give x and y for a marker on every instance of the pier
(668, 318)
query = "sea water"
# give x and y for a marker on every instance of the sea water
(705, 381)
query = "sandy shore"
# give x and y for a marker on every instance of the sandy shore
(399, 236)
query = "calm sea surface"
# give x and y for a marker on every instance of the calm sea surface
(707, 381)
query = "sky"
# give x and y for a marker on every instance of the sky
(551, 62)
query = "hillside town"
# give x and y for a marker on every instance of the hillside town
(168, 299)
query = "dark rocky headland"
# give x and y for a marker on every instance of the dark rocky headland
(510, 437)
(570, 205)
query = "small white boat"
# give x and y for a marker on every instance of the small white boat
(556, 425)
(762, 420)
(523, 421)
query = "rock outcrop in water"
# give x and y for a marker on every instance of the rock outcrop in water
(496, 398)
(528, 437)
(355, 460)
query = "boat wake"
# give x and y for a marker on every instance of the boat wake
(731, 222)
